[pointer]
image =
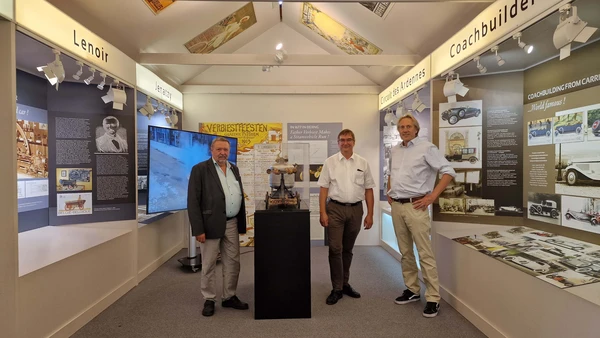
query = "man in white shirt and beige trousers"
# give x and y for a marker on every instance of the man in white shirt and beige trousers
(414, 167)
(346, 181)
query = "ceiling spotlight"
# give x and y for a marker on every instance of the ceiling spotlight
(279, 46)
(103, 82)
(499, 59)
(418, 105)
(280, 2)
(389, 117)
(266, 68)
(481, 68)
(172, 118)
(54, 71)
(91, 77)
(454, 87)
(570, 28)
(116, 96)
(400, 110)
(280, 53)
(148, 108)
(526, 47)
(77, 75)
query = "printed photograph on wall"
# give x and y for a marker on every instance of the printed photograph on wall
(32, 149)
(466, 184)
(544, 207)
(74, 204)
(336, 33)
(379, 8)
(476, 206)
(462, 147)
(568, 127)
(581, 213)
(157, 6)
(461, 114)
(593, 124)
(454, 206)
(223, 31)
(111, 137)
(577, 169)
(73, 179)
(539, 132)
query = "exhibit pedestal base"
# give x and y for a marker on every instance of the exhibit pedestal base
(282, 264)
(192, 263)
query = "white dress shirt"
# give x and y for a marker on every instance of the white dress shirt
(231, 189)
(414, 168)
(346, 179)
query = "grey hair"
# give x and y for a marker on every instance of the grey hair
(219, 139)
(413, 119)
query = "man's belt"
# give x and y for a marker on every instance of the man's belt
(230, 218)
(346, 204)
(407, 200)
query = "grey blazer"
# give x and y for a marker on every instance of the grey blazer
(206, 201)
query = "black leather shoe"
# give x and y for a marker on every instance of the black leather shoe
(235, 303)
(334, 296)
(349, 291)
(209, 308)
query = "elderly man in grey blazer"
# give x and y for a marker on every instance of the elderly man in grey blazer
(217, 215)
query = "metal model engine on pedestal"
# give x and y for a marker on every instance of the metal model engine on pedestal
(281, 182)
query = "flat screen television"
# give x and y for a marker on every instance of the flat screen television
(171, 155)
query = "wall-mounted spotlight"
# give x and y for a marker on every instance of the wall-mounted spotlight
(499, 59)
(570, 28)
(454, 87)
(481, 68)
(172, 118)
(418, 105)
(527, 48)
(147, 110)
(54, 71)
(280, 53)
(400, 110)
(116, 96)
(103, 82)
(266, 68)
(91, 77)
(77, 75)
(389, 117)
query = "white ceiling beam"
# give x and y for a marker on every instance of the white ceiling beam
(269, 59)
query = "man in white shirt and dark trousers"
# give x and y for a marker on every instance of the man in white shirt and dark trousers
(346, 181)
(414, 167)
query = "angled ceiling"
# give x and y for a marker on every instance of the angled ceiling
(406, 28)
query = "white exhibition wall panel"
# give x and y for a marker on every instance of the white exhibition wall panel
(7, 9)
(159, 241)
(59, 299)
(356, 112)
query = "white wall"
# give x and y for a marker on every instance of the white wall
(357, 112)
(7, 9)
(159, 241)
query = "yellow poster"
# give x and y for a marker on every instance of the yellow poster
(157, 6)
(248, 135)
(336, 33)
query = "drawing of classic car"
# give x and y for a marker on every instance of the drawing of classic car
(510, 209)
(584, 169)
(546, 208)
(560, 279)
(580, 265)
(539, 267)
(567, 127)
(580, 216)
(453, 115)
(596, 128)
(564, 244)
(466, 154)
(541, 129)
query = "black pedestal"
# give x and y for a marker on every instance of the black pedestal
(282, 264)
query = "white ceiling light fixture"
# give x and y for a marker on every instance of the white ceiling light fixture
(280, 53)
(481, 68)
(172, 118)
(91, 77)
(266, 68)
(103, 82)
(400, 110)
(418, 105)
(115, 95)
(147, 110)
(454, 87)
(570, 28)
(527, 48)
(77, 75)
(389, 117)
(499, 59)
(54, 71)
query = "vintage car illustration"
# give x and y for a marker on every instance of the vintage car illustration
(546, 208)
(577, 215)
(510, 209)
(567, 127)
(560, 279)
(580, 265)
(596, 128)
(595, 219)
(75, 204)
(465, 154)
(554, 251)
(540, 129)
(453, 115)
(539, 267)
(584, 169)
(564, 244)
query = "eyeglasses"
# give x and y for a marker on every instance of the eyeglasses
(342, 140)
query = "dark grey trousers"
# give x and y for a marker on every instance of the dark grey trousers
(344, 226)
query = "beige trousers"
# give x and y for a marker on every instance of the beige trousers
(413, 226)
(229, 246)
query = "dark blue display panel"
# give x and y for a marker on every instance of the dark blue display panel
(172, 155)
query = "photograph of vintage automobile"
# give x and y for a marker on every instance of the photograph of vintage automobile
(74, 204)
(461, 114)
(544, 207)
(567, 279)
(462, 146)
(593, 123)
(581, 213)
(568, 127)
(539, 132)
(577, 169)
(476, 206)
(452, 205)
(509, 210)
(73, 179)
